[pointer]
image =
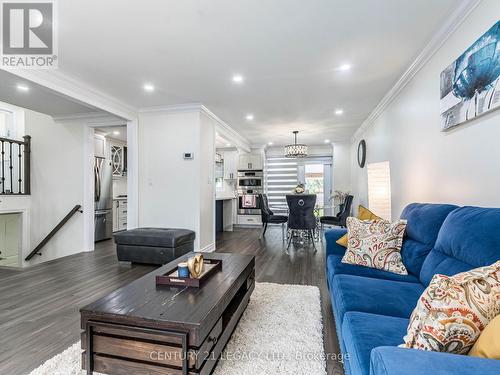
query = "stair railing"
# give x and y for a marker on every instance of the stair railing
(36, 250)
(15, 166)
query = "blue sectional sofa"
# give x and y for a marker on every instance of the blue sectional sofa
(372, 307)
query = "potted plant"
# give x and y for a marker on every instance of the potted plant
(338, 198)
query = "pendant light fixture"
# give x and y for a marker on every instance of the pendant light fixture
(296, 150)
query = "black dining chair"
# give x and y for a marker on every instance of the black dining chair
(341, 218)
(268, 217)
(301, 216)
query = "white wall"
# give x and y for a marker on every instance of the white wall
(427, 165)
(207, 181)
(57, 158)
(57, 152)
(342, 167)
(174, 192)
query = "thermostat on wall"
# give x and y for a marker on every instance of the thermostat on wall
(188, 155)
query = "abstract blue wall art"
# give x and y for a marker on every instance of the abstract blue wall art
(470, 86)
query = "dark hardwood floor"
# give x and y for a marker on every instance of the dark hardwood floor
(39, 306)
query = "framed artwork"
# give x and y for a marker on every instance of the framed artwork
(470, 85)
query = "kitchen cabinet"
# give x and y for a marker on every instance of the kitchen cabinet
(249, 220)
(118, 154)
(244, 162)
(99, 146)
(230, 165)
(249, 162)
(256, 161)
(119, 215)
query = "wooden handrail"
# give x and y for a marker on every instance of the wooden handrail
(13, 140)
(37, 249)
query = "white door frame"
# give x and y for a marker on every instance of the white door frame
(132, 177)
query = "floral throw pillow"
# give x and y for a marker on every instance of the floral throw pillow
(453, 311)
(376, 244)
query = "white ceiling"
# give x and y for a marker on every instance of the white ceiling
(288, 51)
(116, 132)
(39, 98)
(221, 142)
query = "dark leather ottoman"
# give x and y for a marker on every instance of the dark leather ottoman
(153, 245)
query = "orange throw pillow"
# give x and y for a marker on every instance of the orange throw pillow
(488, 343)
(363, 214)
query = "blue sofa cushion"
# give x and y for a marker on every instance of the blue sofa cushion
(364, 294)
(362, 332)
(469, 238)
(424, 222)
(332, 247)
(389, 360)
(335, 266)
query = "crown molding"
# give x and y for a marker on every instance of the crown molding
(437, 41)
(77, 91)
(227, 131)
(92, 119)
(187, 107)
(223, 128)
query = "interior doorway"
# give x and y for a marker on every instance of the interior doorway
(115, 143)
(110, 181)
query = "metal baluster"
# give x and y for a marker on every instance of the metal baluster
(19, 160)
(27, 164)
(11, 167)
(3, 168)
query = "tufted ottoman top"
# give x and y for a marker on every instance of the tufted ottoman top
(156, 237)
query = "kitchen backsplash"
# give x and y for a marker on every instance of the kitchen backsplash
(119, 186)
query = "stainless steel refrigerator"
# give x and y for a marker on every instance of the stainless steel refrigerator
(103, 199)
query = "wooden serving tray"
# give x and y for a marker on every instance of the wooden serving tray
(211, 266)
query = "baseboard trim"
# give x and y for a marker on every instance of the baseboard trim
(208, 249)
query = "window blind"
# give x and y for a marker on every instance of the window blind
(280, 179)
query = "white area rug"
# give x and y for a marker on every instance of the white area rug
(280, 332)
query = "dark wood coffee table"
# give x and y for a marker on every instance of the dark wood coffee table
(147, 329)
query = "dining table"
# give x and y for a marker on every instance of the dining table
(317, 214)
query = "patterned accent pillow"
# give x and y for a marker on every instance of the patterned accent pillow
(453, 311)
(363, 214)
(376, 244)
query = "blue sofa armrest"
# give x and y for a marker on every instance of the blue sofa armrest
(391, 360)
(332, 235)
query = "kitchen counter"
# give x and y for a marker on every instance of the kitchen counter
(225, 214)
(224, 197)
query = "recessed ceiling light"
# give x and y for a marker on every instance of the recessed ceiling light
(339, 112)
(228, 144)
(270, 143)
(116, 132)
(238, 78)
(327, 141)
(22, 87)
(249, 117)
(148, 87)
(345, 67)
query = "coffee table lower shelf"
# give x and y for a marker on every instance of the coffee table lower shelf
(120, 349)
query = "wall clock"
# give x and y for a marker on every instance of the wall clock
(362, 153)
